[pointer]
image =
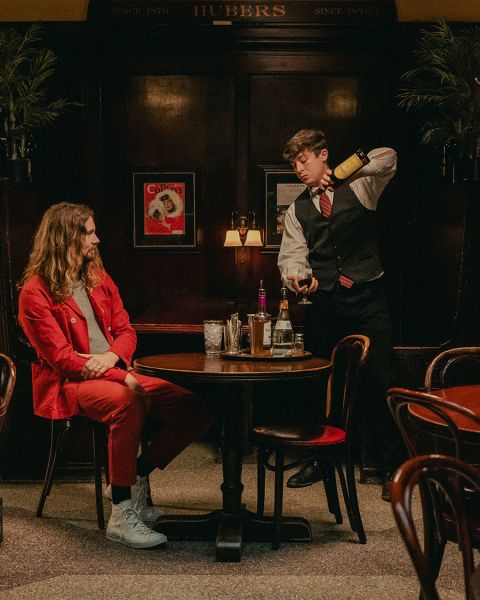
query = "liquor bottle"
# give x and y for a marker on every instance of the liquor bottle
(283, 332)
(261, 333)
(348, 167)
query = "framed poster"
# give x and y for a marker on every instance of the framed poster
(164, 209)
(281, 187)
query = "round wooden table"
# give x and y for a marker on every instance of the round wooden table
(230, 525)
(467, 396)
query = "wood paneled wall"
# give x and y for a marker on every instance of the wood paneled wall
(225, 104)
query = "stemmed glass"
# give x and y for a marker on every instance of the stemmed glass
(304, 275)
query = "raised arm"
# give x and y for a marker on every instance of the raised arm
(369, 183)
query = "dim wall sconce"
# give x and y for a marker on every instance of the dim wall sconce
(243, 231)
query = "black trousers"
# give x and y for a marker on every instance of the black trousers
(361, 309)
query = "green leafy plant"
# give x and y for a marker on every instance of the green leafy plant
(25, 69)
(446, 85)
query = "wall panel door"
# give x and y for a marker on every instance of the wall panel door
(169, 122)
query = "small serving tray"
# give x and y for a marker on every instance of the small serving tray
(246, 356)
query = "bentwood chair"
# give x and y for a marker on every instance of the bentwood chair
(447, 480)
(428, 425)
(456, 366)
(58, 429)
(8, 376)
(329, 441)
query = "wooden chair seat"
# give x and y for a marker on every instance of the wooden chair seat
(303, 435)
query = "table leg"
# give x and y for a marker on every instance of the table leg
(230, 525)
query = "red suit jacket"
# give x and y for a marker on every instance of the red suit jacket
(58, 330)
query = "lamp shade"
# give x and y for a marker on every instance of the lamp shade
(232, 239)
(253, 238)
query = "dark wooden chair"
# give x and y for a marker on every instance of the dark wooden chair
(428, 425)
(8, 374)
(456, 366)
(448, 482)
(329, 442)
(58, 429)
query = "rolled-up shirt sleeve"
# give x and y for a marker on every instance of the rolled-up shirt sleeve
(293, 249)
(369, 183)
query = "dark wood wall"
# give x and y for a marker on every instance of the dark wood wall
(224, 101)
(225, 105)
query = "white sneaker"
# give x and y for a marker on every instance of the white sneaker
(140, 494)
(126, 527)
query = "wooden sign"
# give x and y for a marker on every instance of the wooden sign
(268, 12)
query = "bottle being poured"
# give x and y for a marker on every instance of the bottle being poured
(347, 168)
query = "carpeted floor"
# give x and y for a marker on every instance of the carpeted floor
(63, 555)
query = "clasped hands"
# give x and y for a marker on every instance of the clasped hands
(97, 364)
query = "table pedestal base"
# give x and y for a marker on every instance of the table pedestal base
(229, 531)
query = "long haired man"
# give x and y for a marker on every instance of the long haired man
(72, 313)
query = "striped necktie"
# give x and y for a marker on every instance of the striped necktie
(325, 205)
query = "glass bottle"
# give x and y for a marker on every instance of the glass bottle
(261, 333)
(283, 332)
(348, 167)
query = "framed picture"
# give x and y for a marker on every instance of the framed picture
(164, 209)
(281, 187)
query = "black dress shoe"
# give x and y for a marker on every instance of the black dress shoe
(387, 484)
(306, 476)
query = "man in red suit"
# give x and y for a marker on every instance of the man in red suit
(72, 313)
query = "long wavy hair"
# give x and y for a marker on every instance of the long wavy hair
(56, 253)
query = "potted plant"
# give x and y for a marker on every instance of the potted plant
(25, 69)
(446, 85)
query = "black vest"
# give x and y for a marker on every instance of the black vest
(343, 244)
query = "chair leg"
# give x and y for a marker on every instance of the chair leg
(57, 433)
(261, 457)
(331, 492)
(278, 502)
(106, 467)
(1, 520)
(97, 434)
(346, 498)
(353, 500)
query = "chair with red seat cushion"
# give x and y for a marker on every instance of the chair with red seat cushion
(428, 426)
(446, 480)
(329, 442)
(8, 376)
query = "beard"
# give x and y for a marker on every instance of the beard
(91, 255)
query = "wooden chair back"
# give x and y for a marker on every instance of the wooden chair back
(8, 376)
(348, 358)
(450, 477)
(456, 366)
(446, 433)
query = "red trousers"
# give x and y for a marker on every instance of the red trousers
(178, 418)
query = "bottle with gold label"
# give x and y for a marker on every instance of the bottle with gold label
(348, 167)
(282, 343)
(261, 328)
